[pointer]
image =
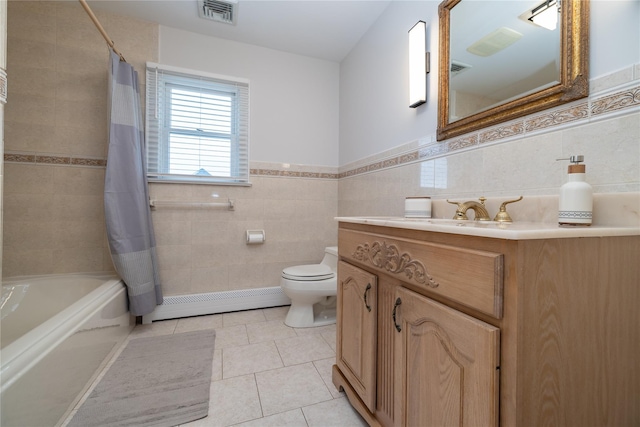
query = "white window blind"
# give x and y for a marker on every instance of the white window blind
(197, 127)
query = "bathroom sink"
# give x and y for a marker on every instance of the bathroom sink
(503, 230)
(467, 223)
(444, 222)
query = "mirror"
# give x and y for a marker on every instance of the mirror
(496, 65)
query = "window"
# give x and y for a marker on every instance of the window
(197, 127)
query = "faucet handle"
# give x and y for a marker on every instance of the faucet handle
(482, 199)
(459, 212)
(503, 215)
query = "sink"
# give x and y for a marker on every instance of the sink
(448, 222)
(517, 230)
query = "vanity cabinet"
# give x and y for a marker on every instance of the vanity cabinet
(411, 360)
(356, 312)
(446, 365)
(438, 329)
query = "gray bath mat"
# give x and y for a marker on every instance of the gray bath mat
(156, 381)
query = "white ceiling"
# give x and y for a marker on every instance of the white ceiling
(329, 29)
(325, 29)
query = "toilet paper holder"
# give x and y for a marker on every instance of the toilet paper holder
(255, 237)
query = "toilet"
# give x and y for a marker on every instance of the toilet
(312, 290)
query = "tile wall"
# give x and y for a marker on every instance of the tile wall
(55, 156)
(205, 250)
(56, 134)
(509, 160)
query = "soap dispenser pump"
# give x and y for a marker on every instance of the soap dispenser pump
(576, 196)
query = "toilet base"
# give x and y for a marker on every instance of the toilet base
(311, 316)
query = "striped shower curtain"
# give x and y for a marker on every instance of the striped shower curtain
(126, 194)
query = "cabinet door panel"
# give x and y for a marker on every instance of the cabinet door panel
(356, 335)
(446, 365)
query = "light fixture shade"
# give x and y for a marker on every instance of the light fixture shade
(418, 64)
(546, 15)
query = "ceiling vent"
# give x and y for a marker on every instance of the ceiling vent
(458, 67)
(218, 10)
(494, 42)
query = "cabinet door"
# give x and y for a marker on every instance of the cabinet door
(356, 330)
(446, 365)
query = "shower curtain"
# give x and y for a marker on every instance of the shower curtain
(126, 194)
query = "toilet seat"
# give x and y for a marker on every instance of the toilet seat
(312, 289)
(308, 273)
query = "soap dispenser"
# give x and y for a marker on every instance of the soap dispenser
(576, 196)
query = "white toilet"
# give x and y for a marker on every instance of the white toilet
(312, 289)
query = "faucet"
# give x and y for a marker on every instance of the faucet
(480, 210)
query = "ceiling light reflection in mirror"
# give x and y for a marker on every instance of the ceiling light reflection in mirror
(498, 54)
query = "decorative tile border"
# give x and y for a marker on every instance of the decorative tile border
(617, 101)
(53, 160)
(47, 159)
(578, 113)
(464, 142)
(19, 158)
(382, 164)
(501, 132)
(292, 174)
(554, 118)
(286, 170)
(89, 162)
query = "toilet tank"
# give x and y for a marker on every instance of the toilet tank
(331, 257)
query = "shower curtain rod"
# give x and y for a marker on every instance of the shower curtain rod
(100, 28)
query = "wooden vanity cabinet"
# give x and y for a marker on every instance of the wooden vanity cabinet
(446, 365)
(431, 365)
(356, 346)
(472, 331)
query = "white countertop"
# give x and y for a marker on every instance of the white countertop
(510, 231)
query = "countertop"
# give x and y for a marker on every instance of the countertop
(510, 231)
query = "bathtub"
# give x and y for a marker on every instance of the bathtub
(57, 333)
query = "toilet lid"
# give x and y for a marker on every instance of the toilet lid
(308, 272)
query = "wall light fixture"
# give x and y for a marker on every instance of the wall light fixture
(418, 64)
(546, 14)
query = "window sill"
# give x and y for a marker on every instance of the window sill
(199, 182)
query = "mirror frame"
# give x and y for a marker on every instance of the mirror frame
(574, 74)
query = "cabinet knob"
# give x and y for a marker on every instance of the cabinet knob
(395, 306)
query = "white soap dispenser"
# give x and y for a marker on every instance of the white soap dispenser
(576, 196)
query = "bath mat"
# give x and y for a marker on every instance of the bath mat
(156, 381)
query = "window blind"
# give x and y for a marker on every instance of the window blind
(197, 127)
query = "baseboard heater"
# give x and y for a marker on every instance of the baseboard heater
(174, 307)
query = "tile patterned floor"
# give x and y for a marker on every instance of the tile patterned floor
(266, 373)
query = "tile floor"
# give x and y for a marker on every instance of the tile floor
(266, 373)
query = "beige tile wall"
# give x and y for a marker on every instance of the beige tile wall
(54, 219)
(57, 108)
(205, 250)
(522, 166)
(57, 62)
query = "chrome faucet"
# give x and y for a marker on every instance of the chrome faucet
(480, 210)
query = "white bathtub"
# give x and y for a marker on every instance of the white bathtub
(57, 332)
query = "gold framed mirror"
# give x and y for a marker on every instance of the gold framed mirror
(566, 70)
